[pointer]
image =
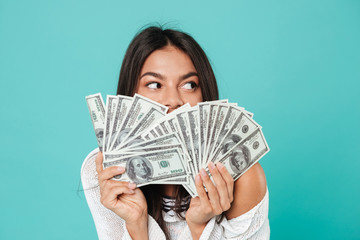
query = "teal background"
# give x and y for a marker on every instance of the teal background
(295, 64)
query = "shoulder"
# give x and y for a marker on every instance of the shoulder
(249, 190)
(88, 170)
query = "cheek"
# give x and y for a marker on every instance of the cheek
(193, 98)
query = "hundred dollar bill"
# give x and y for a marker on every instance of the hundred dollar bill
(242, 127)
(210, 125)
(111, 102)
(97, 112)
(245, 154)
(232, 114)
(151, 167)
(159, 130)
(184, 132)
(153, 148)
(192, 117)
(108, 157)
(190, 186)
(168, 139)
(162, 126)
(135, 134)
(203, 113)
(123, 105)
(218, 122)
(202, 118)
(139, 106)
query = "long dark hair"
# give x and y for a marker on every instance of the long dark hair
(143, 44)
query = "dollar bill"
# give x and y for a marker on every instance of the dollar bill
(192, 116)
(111, 102)
(146, 168)
(135, 134)
(122, 107)
(210, 125)
(218, 122)
(168, 139)
(159, 148)
(245, 154)
(139, 106)
(232, 114)
(96, 107)
(242, 127)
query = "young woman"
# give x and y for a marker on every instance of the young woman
(169, 67)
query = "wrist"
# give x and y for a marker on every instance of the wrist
(138, 229)
(196, 229)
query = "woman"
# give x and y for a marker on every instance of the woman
(169, 67)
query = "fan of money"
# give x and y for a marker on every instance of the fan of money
(159, 148)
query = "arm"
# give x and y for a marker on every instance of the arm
(124, 199)
(248, 214)
(209, 204)
(249, 190)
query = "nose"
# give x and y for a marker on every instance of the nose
(172, 99)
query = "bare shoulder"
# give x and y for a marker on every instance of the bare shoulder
(249, 190)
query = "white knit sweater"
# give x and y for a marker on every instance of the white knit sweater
(253, 224)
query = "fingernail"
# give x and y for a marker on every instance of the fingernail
(132, 185)
(211, 165)
(219, 165)
(131, 191)
(203, 173)
(121, 169)
(197, 178)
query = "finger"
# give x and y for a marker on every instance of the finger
(110, 197)
(228, 179)
(110, 172)
(212, 192)
(111, 188)
(204, 200)
(220, 186)
(99, 161)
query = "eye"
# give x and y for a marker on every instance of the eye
(190, 85)
(153, 85)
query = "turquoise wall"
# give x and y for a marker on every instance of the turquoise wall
(295, 64)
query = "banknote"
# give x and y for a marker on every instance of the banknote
(145, 168)
(150, 117)
(139, 106)
(245, 154)
(218, 122)
(111, 102)
(232, 114)
(122, 107)
(192, 115)
(97, 112)
(242, 127)
(157, 147)
(168, 139)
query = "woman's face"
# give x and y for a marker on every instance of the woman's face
(170, 78)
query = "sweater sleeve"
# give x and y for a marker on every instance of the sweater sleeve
(109, 226)
(253, 225)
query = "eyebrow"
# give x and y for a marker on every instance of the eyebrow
(161, 77)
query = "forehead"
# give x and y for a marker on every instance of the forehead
(168, 60)
(137, 161)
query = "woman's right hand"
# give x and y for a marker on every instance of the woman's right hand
(123, 198)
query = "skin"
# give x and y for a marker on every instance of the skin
(169, 77)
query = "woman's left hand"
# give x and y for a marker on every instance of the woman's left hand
(217, 200)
